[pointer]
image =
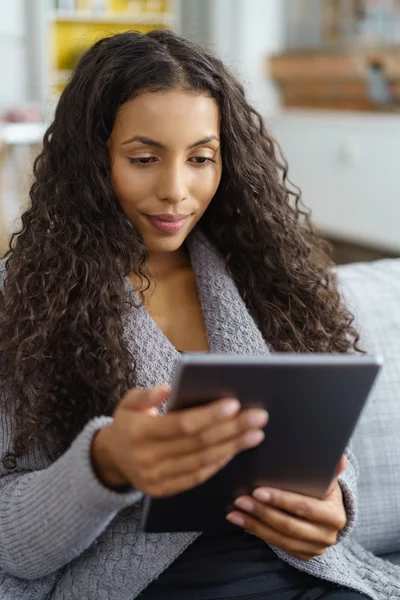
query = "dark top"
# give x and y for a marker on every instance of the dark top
(233, 565)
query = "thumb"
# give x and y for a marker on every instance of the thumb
(146, 399)
(341, 466)
(339, 469)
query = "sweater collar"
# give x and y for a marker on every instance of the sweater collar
(230, 327)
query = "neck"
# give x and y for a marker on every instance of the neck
(160, 264)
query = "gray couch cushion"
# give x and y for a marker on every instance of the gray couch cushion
(394, 558)
(372, 291)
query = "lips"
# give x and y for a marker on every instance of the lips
(169, 217)
(168, 223)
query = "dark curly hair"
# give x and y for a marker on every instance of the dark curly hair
(63, 355)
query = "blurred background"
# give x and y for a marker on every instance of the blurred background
(325, 74)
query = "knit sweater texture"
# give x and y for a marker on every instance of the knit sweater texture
(64, 536)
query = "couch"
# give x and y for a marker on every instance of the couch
(372, 291)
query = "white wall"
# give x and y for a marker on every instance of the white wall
(242, 33)
(347, 166)
(12, 53)
(260, 32)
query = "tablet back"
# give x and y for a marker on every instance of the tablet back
(314, 403)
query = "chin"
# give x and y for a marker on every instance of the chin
(159, 241)
(164, 243)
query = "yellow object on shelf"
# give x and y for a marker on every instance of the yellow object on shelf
(136, 6)
(74, 31)
(72, 39)
(154, 5)
(119, 5)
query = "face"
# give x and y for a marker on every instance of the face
(166, 163)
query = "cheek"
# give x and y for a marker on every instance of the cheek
(206, 185)
(129, 186)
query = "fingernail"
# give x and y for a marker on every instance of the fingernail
(253, 438)
(258, 419)
(235, 519)
(245, 503)
(262, 495)
(229, 408)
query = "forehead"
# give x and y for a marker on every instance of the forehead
(168, 117)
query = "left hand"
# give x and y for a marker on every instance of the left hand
(301, 526)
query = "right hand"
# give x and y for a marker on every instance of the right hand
(163, 455)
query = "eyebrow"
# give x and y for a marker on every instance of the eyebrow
(150, 142)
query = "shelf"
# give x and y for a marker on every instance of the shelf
(114, 18)
(75, 31)
(359, 80)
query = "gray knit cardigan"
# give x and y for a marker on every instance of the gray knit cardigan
(64, 536)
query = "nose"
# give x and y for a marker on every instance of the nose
(173, 185)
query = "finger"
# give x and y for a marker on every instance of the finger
(286, 524)
(191, 421)
(311, 509)
(273, 537)
(207, 457)
(245, 421)
(232, 430)
(143, 399)
(182, 483)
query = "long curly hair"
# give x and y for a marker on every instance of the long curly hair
(63, 355)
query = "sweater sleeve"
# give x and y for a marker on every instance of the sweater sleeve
(348, 484)
(49, 517)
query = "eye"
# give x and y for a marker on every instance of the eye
(202, 160)
(142, 161)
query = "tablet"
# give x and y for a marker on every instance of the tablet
(314, 403)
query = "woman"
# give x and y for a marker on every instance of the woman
(160, 222)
